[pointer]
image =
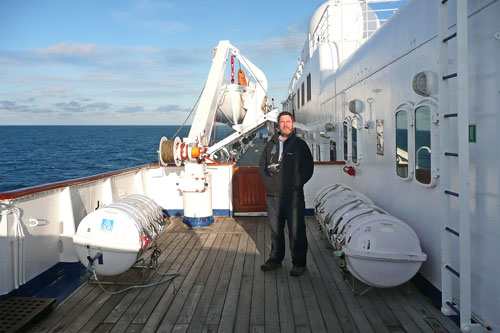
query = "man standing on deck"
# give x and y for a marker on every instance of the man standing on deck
(285, 166)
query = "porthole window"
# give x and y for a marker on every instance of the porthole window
(402, 144)
(345, 134)
(423, 144)
(354, 140)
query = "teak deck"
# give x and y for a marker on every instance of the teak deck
(220, 287)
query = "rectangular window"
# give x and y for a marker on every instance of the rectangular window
(309, 87)
(423, 144)
(345, 134)
(380, 136)
(354, 140)
(303, 93)
(402, 143)
(298, 98)
(333, 151)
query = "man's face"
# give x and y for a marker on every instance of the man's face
(286, 125)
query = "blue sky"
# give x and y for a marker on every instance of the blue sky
(138, 62)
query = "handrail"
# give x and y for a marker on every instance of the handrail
(329, 163)
(77, 181)
(65, 183)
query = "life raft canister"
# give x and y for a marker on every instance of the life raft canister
(242, 81)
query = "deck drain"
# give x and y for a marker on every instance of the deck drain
(18, 313)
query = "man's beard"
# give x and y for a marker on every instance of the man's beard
(286, 134)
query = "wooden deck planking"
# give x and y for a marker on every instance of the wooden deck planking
(198, 319)
(258, 295)
(220, 288)
(342, 297)
(180, 267)
(182, 294)
(228, 315)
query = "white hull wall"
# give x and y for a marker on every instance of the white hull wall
(383, 69)
(60, 211)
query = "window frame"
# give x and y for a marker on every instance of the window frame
(308, 87)
(303, 93)
(432, 104)
(298, 97)
(345, 137)
(409, 108)
(359, 145)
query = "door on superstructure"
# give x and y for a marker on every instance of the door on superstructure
(249, 193)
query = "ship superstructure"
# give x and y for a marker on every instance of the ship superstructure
(412, 112)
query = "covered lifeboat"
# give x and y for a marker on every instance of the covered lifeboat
(379, 249)
(113, 238)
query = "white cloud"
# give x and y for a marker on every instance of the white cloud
(52, 91)
(68, 49)
(290, 43)
(171, 108)
(95, 75)
(14, 107)
(130, 109)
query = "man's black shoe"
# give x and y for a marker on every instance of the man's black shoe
(297, 270)
(269, 265)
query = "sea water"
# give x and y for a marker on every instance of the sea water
(36, 155)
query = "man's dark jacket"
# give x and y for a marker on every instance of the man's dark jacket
(297, 167)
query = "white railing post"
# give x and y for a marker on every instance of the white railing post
(463, 163)
(464, 304)
(67, 220)
(446, 282)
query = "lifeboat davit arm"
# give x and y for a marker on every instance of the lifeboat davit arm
(195, 181)
(255, 107)
(256, 115)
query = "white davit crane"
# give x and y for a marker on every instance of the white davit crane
(243, 106)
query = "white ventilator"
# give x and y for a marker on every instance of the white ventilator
(113, 238)
(379, 249)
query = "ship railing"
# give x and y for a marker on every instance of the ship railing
(321, 32)
(24, 192)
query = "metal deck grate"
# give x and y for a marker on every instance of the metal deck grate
(17, 313)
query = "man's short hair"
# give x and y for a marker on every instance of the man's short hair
(285, 113)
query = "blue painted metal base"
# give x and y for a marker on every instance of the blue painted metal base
(216, 212)
(432, 292)
(57, 282)
(198, 221)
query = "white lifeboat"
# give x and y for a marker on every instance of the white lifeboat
(379, 249)
(382, 251)
(231, 108)
(117, 235)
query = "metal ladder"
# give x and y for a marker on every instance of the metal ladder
(449, 305)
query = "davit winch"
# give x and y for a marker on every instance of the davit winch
(242, 105)
(112, 239)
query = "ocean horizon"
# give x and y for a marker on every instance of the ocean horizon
(32, 155)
